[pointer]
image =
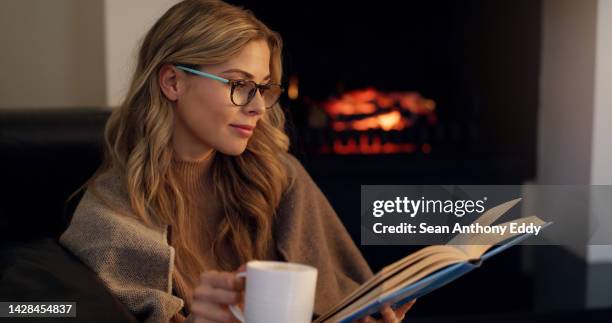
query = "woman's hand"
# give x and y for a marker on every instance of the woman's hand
(389, 315)
(212, 296)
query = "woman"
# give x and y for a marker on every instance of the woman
(197, 180)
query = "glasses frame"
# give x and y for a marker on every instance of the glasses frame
(234, 83)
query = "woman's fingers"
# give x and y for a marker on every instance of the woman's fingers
(395, 316)
(223, 280)
(215, 292)
(365, 319)
(388, 315)
(241, 281)
(212, 312)
(216, 295)
(401, 311)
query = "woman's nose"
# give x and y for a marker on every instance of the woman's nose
(256, 106)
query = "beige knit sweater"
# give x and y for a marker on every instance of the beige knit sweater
(136, 262)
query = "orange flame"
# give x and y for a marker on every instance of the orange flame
(363, 147)
(292, 91)
(374, 110)
(368, 101)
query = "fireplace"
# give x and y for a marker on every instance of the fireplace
(368, 121)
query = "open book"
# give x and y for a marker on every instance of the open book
(430, 268)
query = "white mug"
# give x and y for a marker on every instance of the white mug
(277, 292)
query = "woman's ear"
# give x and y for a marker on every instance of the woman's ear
(169, 82)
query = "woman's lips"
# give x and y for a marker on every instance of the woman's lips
(244, 131)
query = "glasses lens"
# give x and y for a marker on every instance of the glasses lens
(243, 92)
(271, 94)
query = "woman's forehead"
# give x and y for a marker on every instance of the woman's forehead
(253, 60)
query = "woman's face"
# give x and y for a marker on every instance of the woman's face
(205, 117)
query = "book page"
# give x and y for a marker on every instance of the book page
(389, 271)
(486, 219)
(399, 281)
(477, 245)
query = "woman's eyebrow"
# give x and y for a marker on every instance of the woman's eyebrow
(244, 73)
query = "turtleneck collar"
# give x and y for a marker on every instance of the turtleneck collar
(193, 175)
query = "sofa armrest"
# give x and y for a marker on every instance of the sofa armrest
(42, 270)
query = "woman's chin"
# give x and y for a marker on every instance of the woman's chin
(233, 151)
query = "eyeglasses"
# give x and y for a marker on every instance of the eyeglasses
(243, 91)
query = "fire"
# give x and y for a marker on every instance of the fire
(371, 110)
(389, 120)
(369, 107)
(363, 147)
(292, 91)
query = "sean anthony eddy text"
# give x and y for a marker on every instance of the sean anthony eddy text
(474, 228)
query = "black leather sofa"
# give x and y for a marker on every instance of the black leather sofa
(45, 155)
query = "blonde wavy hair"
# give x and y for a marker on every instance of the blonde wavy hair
(138, 140)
